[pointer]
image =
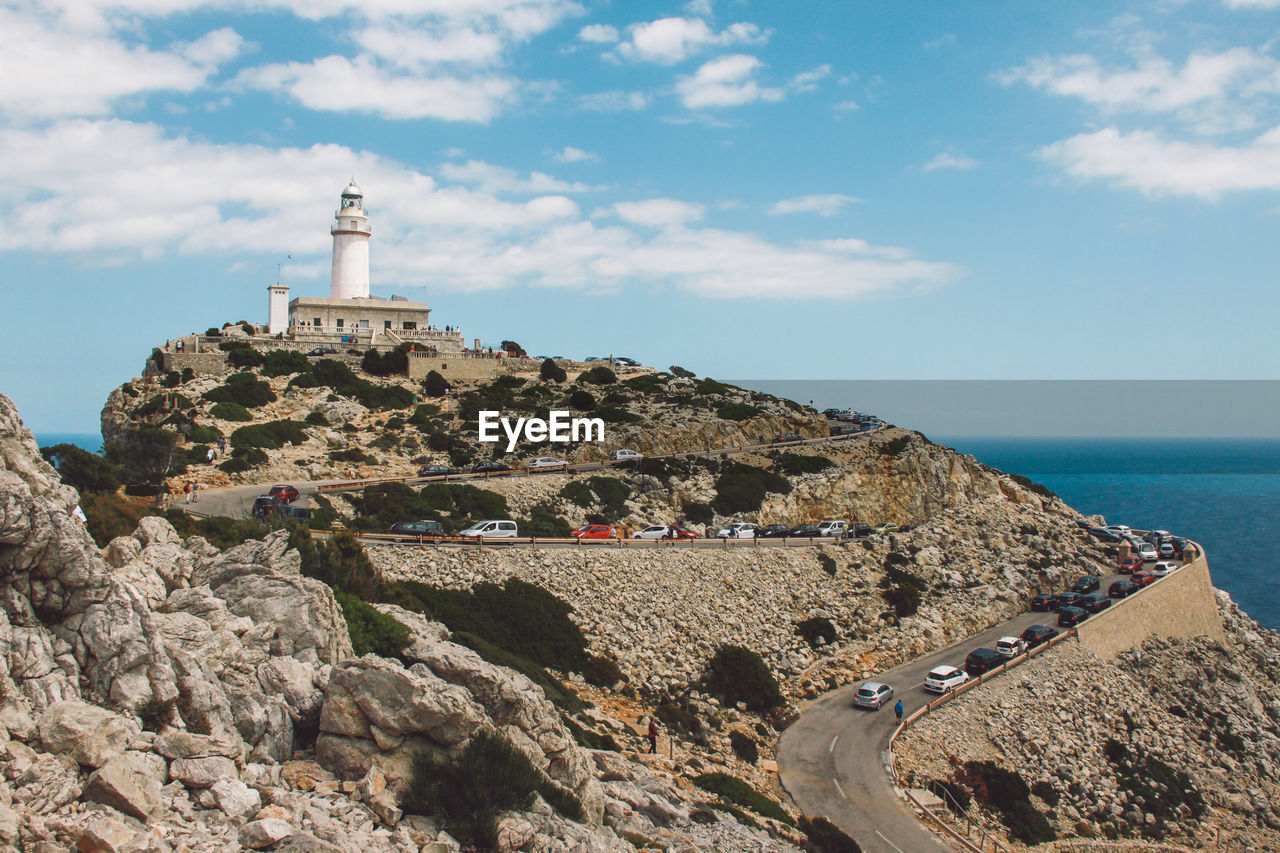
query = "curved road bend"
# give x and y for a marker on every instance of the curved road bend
(832, 759)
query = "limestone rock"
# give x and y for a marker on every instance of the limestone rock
(236, 799)
(88, 734)
(201, 772)
(258, 834)
(129, 783)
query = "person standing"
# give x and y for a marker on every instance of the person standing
(195, 487)
(653, 736)
(897, 710)
(186, 493)
(210, 455)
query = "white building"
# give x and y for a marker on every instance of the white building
(351, 233)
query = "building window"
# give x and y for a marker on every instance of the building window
(364, 324)
(315, 321)
(386, 324)
(410, 326)
(338, 323)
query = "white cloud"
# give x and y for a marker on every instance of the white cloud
(658, 212)
(949, 160)
(823, 205)
(1254, 4)
(496, 180)
(410, 48)
(670, 40)
(1157, 166)
(701, 8)
(944, 40)
(598, 34)
(614, 102)
(725, 82)
(846, 106)
(360, 85)
(576, 155)
(56, 71)
(807, 81)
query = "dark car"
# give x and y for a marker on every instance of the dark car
(293, 513)
(1122, 589)
(436, 470)
(1065, 599)
(265, 505)
(786, 437)
(1038, 635)
(773, 531)
(1095, 603)
(860, 529)
(322, 351)
(1081, 523)
(416, 529)
(1104, 535)
(489, 467)
(1043, 602)
(806, 531)
(982, 660)
(1071, 616)
(842, 429)
(288, 494)
(1086, 584)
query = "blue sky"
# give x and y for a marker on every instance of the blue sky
(817, 190)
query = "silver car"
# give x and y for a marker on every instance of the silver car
(872, 695)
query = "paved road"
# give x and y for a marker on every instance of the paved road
(832, 759)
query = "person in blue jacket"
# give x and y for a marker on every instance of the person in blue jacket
(897, 709)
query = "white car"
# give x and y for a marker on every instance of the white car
(1011, 647)
(547, 463)
(1148, 552)
(738, 530)
(1118, 528)
(623, 455)
(873, 695)
(655, 531)
(833, 528)
(496, 529)
(944, 679)
(1164, 568)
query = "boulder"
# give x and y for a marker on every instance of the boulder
(201, 772)
(88, 734)
(129, 783)
(108, 835)
(236, 799)
(257, 834)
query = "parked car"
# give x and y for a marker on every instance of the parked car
(436, 471)
(1011, 647)
(547, 463)
(1122, 589)
(405, 530)
(1148, 552)
(981, 661)
(293, 513)
(489, 466)
(861, 529)
(834, 528)
(1071, 616)
(1167, 551)
(1129, 565)
(1102, 534)
(1043, 602)
(1119, 528)
(1142, 577)
(1164, 568)
(787, 437)
(738, 530)
(1037, 635)
(265, 505)
(655, 531)
(499, 529)
(944, 679)
(593, 531)
(872, 695)
(288, 494)
(806, 531)
(1086, 584)
(322, 351)
(1095, 603)
(680, 532)
(842, 429)
(885, 527)
(773, 531)
(1081, 523)
(1066, 599)
(624, 455)
(629, 362)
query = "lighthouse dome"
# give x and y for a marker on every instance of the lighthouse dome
(352, 191)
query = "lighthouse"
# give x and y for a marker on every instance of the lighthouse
(351, 232)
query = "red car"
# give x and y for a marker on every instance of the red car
(685, 533)
(288, 494)
(594, 531)
(1129, 565)
(1142, 577)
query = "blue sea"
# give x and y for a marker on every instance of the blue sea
(1223, 493)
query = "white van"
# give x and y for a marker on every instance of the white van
(502, 529)
(833, 528)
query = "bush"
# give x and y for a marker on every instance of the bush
(813, 629)
(393, 363)
(244, 389)
(902, 590)
(740, 793)
(794, 464)
(282, 362)
(172, 379)
(744, 747)
(85, 471)
(955, 796)
(737, 411)
(552, 372)
(578, 492)
(303, 380)
(602, 671)
(244, 356)
(336, 375)
(583, 401)
(598, 375)
(826, 837)
(678, 717)
(513, 349)
(110, 515)
(316, 419)
(677, 370)
(735, 674)
(741, 488)
(543, 522)
(370, 629)
(1027, 824)
(204, 435)
(1046, 792)
(705, 387)
(699, 513)
(271, 436)
(434, 385)
(894, 446)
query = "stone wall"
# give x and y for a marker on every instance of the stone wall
(1181, 605)
(201, 363)
(455, 368)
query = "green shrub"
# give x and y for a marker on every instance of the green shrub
(901, 590)
(110, 515)
(350, 454)
(744, 747)
(370, 629)
(581, 400)
(316, 419)
(393, 363)
(242, 388)
(709, 386)
(616, 415)
(894, 446)
(85, 471)
(678, 717)
(552, 372)
(303, 380)
(423, 416)
(740, 793)
(282, 362)
(741, 488)
(677, 370)
(825, 837)
(1027, 483)
(578, 492)
(602, 671)
(817, 628)
(648, 383)
(1027, 824)
(434, 385)
(172, 379)
(598, 375)
(271, 435)
(699, 513)
(204, 435)
(234, 465)
(336, 375)
(737, 411)
(543, 522)
(513, 349)
(735, 674)
(795, 464)
(556, 691)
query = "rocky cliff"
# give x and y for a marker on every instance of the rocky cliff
(160, 694)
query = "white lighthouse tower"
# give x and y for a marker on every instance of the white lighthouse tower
(351, 232)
